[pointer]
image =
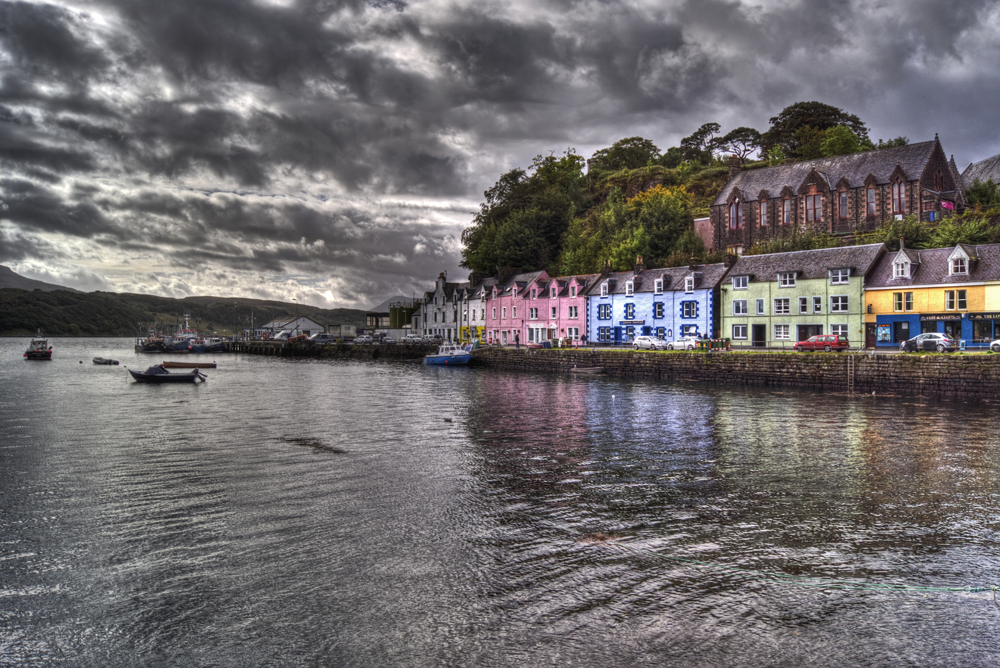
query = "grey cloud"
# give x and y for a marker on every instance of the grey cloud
(42, 40)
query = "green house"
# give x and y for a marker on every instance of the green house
(775, 300)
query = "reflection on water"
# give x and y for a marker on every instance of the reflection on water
(297, 513)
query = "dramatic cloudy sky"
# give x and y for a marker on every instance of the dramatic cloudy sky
(332, 151)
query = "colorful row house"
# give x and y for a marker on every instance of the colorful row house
(535, 308)
(665, 303)
(777, 299)
(954, 291)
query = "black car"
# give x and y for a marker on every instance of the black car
(928, 342)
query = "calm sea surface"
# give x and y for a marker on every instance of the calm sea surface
(295, 513)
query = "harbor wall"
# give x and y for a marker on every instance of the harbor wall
(339, 352)
(942, 376)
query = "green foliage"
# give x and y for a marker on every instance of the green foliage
(741, 142)
(915, 234)
(796, 241)
(775, 155)
(809, 143)
(983, 194)
(840, 141)
(628, 153)
(965, 230)
(815, 115)
(892, 143)
(699, 145)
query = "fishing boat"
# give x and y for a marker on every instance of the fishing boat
(188, 365)
(157, 374)
(449, 355)
(39, 348)
(102, 360)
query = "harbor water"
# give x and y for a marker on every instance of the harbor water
(308, 513)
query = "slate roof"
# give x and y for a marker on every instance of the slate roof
(984, 170)
(931, 267)
(809, 263)
(855, 168)
(708, 278)
(520, 280)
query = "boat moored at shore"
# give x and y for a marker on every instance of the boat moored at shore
(449, 355)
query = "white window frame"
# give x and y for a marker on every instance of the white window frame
(629, 311)
(690, 309)
(503, 313)
(786, 279)
(786, 306)
(761, 306)
(553, 292)
(803, 305)
(835, 304)
(840, 330)
(900, 269)
(658, 286)
(629, 288)
(817, 304)
(786, 333)
(554, 311)
(689, 284)
(572, 291)
(741, 282)
(740, 307)
(604, 289)
(574, 312)
(513, 313)
(532, 313)
(740, 332)
(840, 276)
(962, 299)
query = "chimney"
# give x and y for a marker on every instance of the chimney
(639, 266)
(902, 245)
(734, 166)
(693, 264)
(606, 269)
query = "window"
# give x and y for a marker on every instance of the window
(739, 331)
(786, 213)
(513, 312)
(604, 311)
(949, 300)
(898, 197)
(786, 279)
(842, 208)
(572, 291)
(740, 282)
(483, 314)
(690, 309)
(959, 266)
(739, 307)
(840, 276)
(763, 213)
(962, 303)
(839, 330)
(552, 292)
(629, 311)
(817, 304)
(908, 301)
(782, 332)
(658, 286)
(760, 307)
(736, 215)
(553, 316)
(901, 270)
(573, 333)
(782, 306)
(870, 201)
(494, 312)
(838, 304)
(734, 250)
(803, 305)
(689, 284)
(532, 314)
(629, 287)
(534, 293)
(604, 289)
(574, 312)
(658, 310)
(603, 333)
(897, 301)
(814, 208)
(504, 312)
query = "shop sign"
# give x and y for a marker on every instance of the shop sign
(940, 316)
(984, 316)
(633, 322)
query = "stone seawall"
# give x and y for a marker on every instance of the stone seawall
(943, 376)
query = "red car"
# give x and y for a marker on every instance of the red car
(827, 342)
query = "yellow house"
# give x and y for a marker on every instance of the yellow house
(955, 291)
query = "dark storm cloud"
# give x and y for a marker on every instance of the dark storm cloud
(252, 136)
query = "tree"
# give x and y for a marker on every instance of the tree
(840, 141)
(892, 143)
(984, 194)
(628, 153)
(814, 115)
(698, 145)
(741, 142)
(955, 230)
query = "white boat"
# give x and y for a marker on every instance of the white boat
(449, 355)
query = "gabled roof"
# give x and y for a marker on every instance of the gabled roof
(809, 264)
(384, 306)
(856, 167)
(984, 170)
(933, 267)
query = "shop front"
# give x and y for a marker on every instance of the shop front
(985, 328)
(891, 330)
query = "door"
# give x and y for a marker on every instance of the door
(900, 331)
(759, 335)
(953, 329)
(870, 335)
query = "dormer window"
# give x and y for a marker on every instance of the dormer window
(658, 286)
(689, 284)
(552, 294)
(604, 289)
(572, 291)
(629, 286)
(840, 276)
(534, 293)
(959, 265)
(786, 279)
(900, 269)
(741, 282)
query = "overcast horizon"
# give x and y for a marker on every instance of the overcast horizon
(332, 152)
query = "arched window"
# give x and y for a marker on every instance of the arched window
(736, 215)
(898, 197)
(763, 213)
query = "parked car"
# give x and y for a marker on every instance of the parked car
(929, 341)
(827, 342)
(387, 341)
(995, 346)
(648, 343)
(432, 338)
(364, 338)
(684, 343)
(412, 338)
(322, 339)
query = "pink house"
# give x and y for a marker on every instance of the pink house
(537, 308)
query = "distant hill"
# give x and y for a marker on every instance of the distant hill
(61, 312)
(8, 279)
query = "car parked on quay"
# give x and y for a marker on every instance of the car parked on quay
(928, 342)
(387, 341)
(363, 339)
(322, 339)
(995, 346)
(432, 338)
(648, 343)
(825, 342)
(412, 339)
(684, 343)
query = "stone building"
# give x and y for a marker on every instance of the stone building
(984, 170)
(839, 195)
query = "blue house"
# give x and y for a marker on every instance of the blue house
(666, 303)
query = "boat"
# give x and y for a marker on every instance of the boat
(188, 365)
(157, 374)
(39, 348)
(101, 360)
(449, 355)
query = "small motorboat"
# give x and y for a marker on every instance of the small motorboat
(449, 355)
(101, 360)
(39, 348)
(157, 374)
(188, 365)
